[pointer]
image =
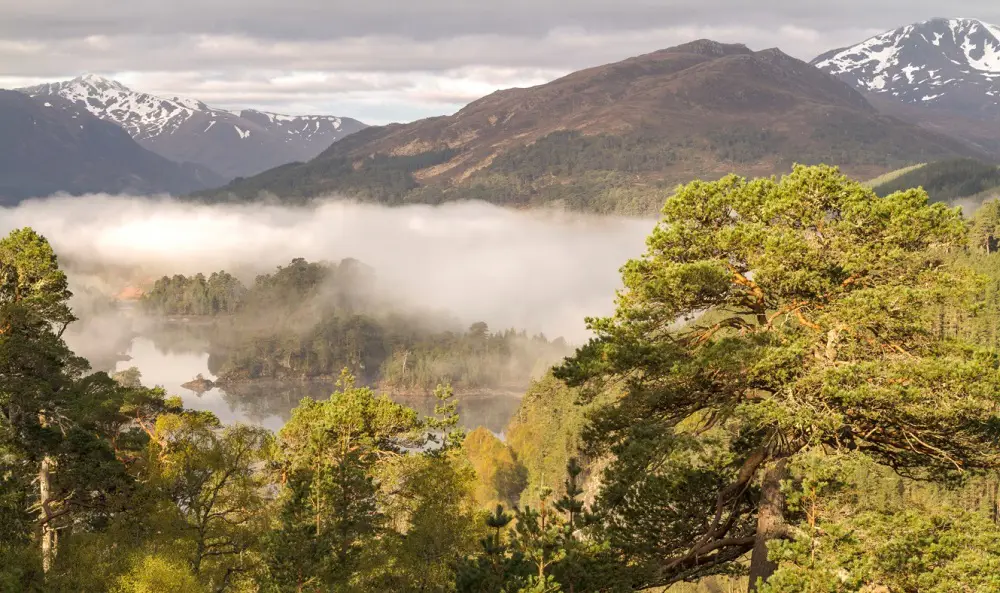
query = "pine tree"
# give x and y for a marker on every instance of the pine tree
(770, 318)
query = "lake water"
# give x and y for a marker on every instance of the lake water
(269, 404)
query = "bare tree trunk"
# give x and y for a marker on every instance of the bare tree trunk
(48, 530)
(770, 522)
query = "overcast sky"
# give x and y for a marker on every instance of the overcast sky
(398, 60)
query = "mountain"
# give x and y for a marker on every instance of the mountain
(950, 63)
(232, 143)
(941, 73)
(49, 146)
(616, 138)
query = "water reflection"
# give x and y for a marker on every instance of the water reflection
(269, 403)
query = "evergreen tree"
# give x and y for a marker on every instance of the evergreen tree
(767, 319)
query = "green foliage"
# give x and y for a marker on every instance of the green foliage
(221, 293)
(569, 153)
(30, 277)
(852, 538)
(745, 145)
(808, 305)
(891, 175)
(213, 477)
(312, 319)
(546, 432)
(154, 574)
(985, 232)
(541, 550)
(329, 517)
(797, 370)
(945, 181)
(437, 524)
(378, 177)
(499, 477)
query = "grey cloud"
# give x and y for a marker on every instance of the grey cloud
(433, 55)
(433, 19)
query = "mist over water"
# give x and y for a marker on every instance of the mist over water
(543, 271)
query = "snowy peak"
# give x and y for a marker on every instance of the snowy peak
(232, 143)
(142, 115)
(951, 63)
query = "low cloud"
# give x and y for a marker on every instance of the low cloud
(543, 271)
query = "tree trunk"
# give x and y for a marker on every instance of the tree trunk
(48, 530)
(770, 522)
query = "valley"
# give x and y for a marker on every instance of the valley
(592, 303)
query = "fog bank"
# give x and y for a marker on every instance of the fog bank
(537, 270)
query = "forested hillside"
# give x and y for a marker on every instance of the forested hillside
(946, 181)
(824, 418)
(311, 320)
(614, 138)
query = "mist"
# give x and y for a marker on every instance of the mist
(543, 271)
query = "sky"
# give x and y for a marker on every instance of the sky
(399, 60)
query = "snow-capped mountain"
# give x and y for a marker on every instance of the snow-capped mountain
(50, 145)
(232, 143)
(951, 64)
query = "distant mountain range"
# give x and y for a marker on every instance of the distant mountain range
(52, 145)
(943, 74)
(617, 138)
(614, 138)
(231, 143)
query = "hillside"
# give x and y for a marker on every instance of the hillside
(53, 146)
(232, 143)
(614, 138)
(967, 181)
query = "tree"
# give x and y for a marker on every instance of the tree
(215, 478)
(498, 568)
(30, 277)
(500, 479)
(329, 513)
(769, 318)
(428, 501)
(985, 233)
(48, 407)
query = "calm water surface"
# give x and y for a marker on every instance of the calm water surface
(269, 404)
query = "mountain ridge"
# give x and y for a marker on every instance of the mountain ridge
(616, 137)
(947, 63)
(233, 143)
(51, 145)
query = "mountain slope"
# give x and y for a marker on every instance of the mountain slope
(947, 63)
(616, 137)
(49, 146)
(230, 143)
(943, 74)
(965, 180)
